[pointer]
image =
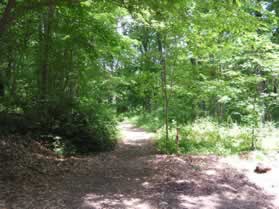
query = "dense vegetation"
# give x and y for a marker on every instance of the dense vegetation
(205, 73)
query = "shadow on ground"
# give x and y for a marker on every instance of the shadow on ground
(134, 176)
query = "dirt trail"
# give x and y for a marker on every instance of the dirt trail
(135, 177)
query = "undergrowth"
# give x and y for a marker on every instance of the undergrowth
(150, 121)
(206, 136)
(81, 129)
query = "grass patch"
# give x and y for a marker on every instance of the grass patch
(149, 122)
(205, 136)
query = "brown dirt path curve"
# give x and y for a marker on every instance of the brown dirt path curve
(134, 176)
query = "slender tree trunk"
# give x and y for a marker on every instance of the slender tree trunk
(45, 39)
(164, 84)
(11, 74)
(6, 75)
(172, 75)
(254, 140)
(2, 86)
(6, 18)
(166, 99)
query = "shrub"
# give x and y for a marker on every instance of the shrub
(148, 121)
(205, 136)
(86, 130)
(68, 129)
(167, 146)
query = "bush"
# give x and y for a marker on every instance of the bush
(167, 146)
(86, 133)
(65, 128)
(148, 121)
(205, 136)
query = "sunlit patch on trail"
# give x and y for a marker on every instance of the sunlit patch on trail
(268, 181)
(134, 136)
(116, 201)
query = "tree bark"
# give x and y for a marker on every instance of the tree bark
(6, 18)
(45, 41)
(164, 84)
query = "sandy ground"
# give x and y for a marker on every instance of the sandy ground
(134, 176)
(247, 163)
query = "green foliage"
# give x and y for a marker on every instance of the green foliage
(205, 136)
(85, 133)
(167, 146)
(149, 121)
(84, 128)
(57, 63)
(67, 68)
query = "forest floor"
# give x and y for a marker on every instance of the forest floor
(135, 176)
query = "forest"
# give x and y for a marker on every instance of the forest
(93, 89)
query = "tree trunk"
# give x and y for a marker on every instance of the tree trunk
(254, 140)
(45, 39)
(6, 18)
(2, 86)
(164, 84)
